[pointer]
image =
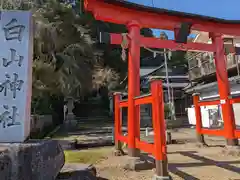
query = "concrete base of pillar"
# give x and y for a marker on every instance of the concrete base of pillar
(232, 150)
(155, 177)
(232, 142)
(133, 152)
(161, 168)
(137, 164)
(77, 171)
(200, 139)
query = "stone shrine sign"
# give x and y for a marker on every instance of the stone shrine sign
(15, 75)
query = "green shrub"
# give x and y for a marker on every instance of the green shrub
(167, 110)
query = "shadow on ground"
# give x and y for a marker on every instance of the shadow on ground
(175, 167)
(76, 175)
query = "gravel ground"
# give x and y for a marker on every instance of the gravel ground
(187, 161)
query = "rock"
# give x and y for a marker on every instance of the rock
(137, 164)
(32, 160)
(77, 171)
(118, 152)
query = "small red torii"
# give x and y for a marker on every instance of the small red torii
(135, 17)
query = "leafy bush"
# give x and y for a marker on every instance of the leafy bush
(167, 110)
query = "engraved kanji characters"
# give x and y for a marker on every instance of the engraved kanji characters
(13, 86)
(8, 117)
(13, 58)
(13, 30)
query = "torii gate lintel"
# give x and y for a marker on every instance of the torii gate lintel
(105, 11)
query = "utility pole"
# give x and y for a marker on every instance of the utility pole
(1, 5)
(170, 99)
(166, 72)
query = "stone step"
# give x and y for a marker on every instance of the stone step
(93, 118)
(77, 171)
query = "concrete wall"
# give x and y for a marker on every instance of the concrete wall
(236, 109)
(209, 93)
(206, 121)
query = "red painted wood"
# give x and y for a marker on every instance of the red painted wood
(223, 86)
(151, 42)
(143, 100)
(123, 104)
(117, 117)
(235, 100)
(144, 146)
(237, 133)
(213, 132)
(158, 121)
(209, 103)
(121, 15)
(133, 84)
(198, 114)
(122, 138)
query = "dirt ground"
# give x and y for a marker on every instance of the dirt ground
(187, 161)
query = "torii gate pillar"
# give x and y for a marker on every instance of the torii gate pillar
(224, 89)
(133, 87)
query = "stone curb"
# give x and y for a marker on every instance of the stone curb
(49, 135)
(77, 171)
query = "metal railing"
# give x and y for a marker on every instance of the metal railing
(202, 64)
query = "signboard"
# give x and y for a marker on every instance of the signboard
(15, 75)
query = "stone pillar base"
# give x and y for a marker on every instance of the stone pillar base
(137, 164)
(133, 152)
(200, 139)
(77, 171)
(161, 168)
(232, 142)
(155, 177)
(35, 159)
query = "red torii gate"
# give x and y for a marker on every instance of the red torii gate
(136, 17)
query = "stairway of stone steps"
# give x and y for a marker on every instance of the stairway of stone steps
(94, 112)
